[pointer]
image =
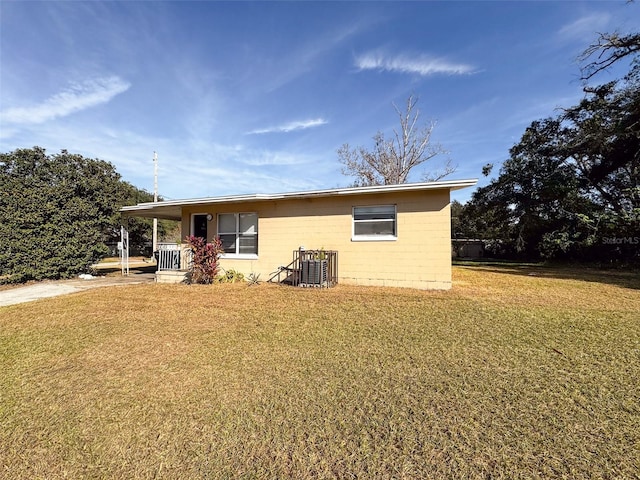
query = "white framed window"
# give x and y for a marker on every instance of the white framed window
(239, 234)
(374, 223)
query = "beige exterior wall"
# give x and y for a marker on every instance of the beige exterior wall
(419, 258)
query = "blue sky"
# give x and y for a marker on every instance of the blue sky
(256, 97)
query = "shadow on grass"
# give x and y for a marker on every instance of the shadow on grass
(622, 277)
(117, 270)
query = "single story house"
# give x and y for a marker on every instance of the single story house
(385, 235)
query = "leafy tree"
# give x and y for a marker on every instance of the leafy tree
(572, 183)
(391, 160)
(460, 226)
(528, 199)
(456, 211)
(57, 212)
(53, 213)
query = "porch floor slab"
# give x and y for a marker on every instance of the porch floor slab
(170, 276)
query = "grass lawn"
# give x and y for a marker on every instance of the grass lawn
(517, 372)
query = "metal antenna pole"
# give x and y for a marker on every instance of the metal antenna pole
(155, 199)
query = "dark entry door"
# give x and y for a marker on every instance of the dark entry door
(200, 226)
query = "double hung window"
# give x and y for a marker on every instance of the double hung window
(239, 233)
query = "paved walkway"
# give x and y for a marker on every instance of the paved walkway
(48, 289)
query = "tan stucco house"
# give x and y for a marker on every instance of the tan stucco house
(388, 235)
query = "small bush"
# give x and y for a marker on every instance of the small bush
(230, 276)
(204, 264)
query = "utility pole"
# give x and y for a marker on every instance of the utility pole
(155, 199)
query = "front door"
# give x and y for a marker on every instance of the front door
(200, 226)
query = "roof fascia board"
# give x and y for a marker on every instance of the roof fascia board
(379, 189)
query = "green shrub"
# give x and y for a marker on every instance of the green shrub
(230, 276)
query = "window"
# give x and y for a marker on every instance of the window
(239, 233)
(374, 223)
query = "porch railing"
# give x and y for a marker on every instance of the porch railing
(172, 256)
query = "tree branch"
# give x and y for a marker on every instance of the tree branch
(607, 50)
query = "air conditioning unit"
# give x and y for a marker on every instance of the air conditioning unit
(313, 272)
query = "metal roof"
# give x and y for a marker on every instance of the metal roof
(172, 209)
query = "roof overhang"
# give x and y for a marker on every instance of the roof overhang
(172, 209)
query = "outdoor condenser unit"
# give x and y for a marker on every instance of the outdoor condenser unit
(313, 272)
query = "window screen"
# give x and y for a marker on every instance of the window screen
(374, 222)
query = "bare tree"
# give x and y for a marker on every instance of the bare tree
(390, 161)
(607, 50)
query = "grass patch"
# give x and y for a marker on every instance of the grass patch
(508, 375)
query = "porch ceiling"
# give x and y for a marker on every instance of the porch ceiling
(149, 210)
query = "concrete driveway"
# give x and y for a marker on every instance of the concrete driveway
(48, 289)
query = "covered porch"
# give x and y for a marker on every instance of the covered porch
(301, 267)
(172, 259)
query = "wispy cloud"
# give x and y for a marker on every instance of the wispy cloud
(423, 65)
(585, 27)
(306, 56)
(77, 97)
(291, 126)
(271, 158)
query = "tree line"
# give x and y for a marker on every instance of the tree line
(570, 189)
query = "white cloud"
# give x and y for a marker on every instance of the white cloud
(79, 96)
(291, 126)
(422, 64)
(271, 158)
(586, 27)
